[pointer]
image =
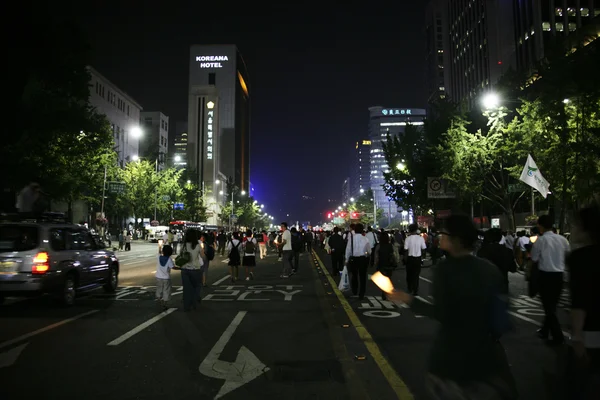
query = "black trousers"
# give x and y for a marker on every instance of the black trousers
(551, 285)
(413, 271)
(337, 262)
(221, 249)
(296, 261)
(358, 273)
(309, 246)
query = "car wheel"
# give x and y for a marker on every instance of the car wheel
(112, 283)
(68, 292)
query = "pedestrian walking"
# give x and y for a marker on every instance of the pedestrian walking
(549, 251)
(121, 241)
(207, 250)
(163, 276)
(467, 360)
(385, 258)
(128, 239)
(287, 254)
(234, 249)
(358, 254)
(336, 245)
(414, 246)
(249, 260)
(191, 275)
(498, 254)
(262, 239)
(584, 365)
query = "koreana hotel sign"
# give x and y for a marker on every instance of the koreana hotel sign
(211, 61)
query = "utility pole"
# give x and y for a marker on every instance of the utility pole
(156, 190)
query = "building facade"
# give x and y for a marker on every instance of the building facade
(362, 172)
(218, 121)
(346, 193)
(154, 143)
(180, 141)
(538, 23)
(436, 59)
(385, 121)
(122, 112)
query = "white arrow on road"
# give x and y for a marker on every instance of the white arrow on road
(9, 357)
(236, 374)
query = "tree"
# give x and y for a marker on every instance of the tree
(364, 205)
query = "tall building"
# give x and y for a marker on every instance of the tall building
(384, 121)
(436, 60)
(219, 120)
(180, 144)
(154, 143)
(362, 168)
(539, 22)
(346, 193)
(477, 44)
(122, 112)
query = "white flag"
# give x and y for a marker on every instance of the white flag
(532, 176)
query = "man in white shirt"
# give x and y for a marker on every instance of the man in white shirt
(358, 252)
(549, 251)
(414, 246)
(287, 252)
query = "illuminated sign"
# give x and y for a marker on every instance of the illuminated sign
(211, 61)
(396, 111)
(366, 142)
(210, 130)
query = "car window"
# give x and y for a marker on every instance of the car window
(18, 237)
(86, 240)
(58, 239)
(79, 240)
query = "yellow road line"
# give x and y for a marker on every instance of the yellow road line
(390, 374)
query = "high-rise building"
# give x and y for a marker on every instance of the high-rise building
(180, 144)
(154, 143)
(121, 111)
(362, 168)
(437, 65)
(539, 22)
(346, 194)
(218, 121)
(478, 45)
(384, 121)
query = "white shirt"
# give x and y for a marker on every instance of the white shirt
(509, 241)
(372, 236)
(522, 242)
(255, 244)
(196, 261)
(287, 237)
(549, 250)
(361, 245)
(414, 244)
(233, 243)
(164, 271)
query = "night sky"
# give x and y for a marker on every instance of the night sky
(313, 74)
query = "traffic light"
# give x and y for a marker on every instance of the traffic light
(329, 215)
(354, 215)
(342, 214)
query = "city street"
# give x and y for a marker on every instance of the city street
(405, 334)
(266, 338)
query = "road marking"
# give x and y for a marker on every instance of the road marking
(426, 280)
(140, 327)
(10, 357)
(533, 321)
(220, 280)
(396, 383)
(424, 300)
(245, 368)
(45, 329)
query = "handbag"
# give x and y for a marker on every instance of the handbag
(184, 256)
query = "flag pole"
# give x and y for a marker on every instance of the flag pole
(532, 201)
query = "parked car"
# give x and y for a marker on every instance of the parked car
(49, 255)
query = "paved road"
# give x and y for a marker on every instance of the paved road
(405, 334)
(265, 338)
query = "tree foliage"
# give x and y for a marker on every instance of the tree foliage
(363, 205)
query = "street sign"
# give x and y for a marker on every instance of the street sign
(116, 187)
(178, 206)
(439, 188)
(166, 198)
(516, 187)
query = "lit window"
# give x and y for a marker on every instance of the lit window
(559, 12)
(585, 12)
(560, 26)
(572, 26)
(546, 26)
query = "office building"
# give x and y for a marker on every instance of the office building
(154, 143)
(180, 144)
(362, 169)
(346, 193)
(218, 120)
(436, 60)
(384, 121)
(121, 111)
(539, 23)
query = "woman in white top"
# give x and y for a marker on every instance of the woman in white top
(191, 275)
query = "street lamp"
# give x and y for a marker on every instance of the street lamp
(400, 166)
(490, 101)
(136, 132)
(189, 181)
(135, 157)
(362, 190)
(217, 182)
(352, 199)
(221, 192)
(262, 206)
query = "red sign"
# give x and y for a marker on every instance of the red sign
(443, 213)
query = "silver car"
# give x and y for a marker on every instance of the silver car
(56, 258)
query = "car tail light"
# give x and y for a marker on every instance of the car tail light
(40, 263)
